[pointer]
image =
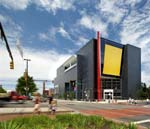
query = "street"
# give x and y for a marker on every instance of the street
(139, 113)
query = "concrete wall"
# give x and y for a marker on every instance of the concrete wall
(63, 77)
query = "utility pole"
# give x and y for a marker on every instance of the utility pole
(26, 74)
(44, 81)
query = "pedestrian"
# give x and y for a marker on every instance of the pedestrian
(37, 104)
(53, 106)
(130, 100)
(147, 101)
(50, 101)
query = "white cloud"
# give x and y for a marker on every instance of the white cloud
(12, 30)
(81, 41)
(52, 32)
(114, 11)
(43, 36)
(8, 85)
(132, 3)
(2, 18)
(43, 64)
(48, 5)
(111, 10)
(94, 23)
(135, 31)
(50, 35)
(16, 5)
(146, 76)
(54, 5)
(64, 33)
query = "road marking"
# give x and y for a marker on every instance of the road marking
(146, 106)
(141, 121)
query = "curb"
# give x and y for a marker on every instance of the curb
(44, 112)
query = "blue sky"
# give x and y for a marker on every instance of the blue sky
(49, 31)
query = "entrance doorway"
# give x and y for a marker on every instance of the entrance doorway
(112, 83)
(108, 94)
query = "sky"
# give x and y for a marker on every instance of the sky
(49, 31)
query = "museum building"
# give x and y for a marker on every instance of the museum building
(101, 69)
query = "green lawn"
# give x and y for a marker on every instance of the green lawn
(65, 121)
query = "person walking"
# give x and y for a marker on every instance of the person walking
(147, 101)
(37, 104)
(50, 98)
(53, 106)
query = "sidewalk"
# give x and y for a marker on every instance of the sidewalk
(77, 101)
(30, 110)
(118, 101)
(101, 102)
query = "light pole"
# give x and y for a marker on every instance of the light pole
(26, 74)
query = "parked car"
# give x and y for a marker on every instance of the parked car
(12, 96)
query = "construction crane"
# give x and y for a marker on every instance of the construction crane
(44, 81)
(3, 37)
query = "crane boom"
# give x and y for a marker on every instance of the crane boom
(5, 39)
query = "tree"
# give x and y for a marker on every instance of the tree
(2, 90)
(21, 86)
(143, 92)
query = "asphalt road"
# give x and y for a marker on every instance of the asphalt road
(26, 104)
(138, 113)
(91, 106)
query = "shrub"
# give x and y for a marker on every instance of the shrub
(10, 125)
(132, 126)
(65, 121)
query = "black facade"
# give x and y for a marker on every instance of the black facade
(84, 74)
(131, 71)
(86, 69)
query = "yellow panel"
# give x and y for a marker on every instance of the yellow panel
(112, 60)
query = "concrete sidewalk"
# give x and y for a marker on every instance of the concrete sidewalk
(81, 101)
(30, 110)
(119, 101)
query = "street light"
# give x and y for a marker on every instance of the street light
(26, 75)
(26, 89)
(27, 60)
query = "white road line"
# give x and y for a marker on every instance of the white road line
(141, 121)
(146, 106)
